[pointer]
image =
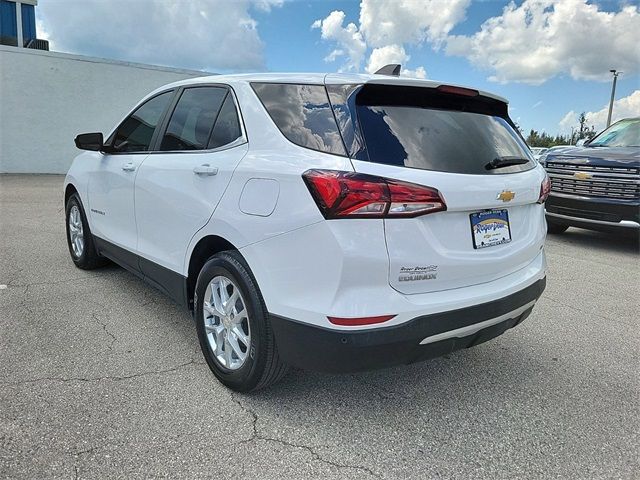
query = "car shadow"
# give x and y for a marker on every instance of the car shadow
(617, 242)
(466, 376)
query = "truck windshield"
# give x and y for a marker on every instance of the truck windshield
(625, 133)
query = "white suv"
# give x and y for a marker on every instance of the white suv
(329, 222)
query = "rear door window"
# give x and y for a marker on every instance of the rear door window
(192, 120)
(303, 115)
(227, 127)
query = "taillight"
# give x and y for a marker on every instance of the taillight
(357, 195)
(545, 188)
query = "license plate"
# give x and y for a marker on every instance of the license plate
(490, 228)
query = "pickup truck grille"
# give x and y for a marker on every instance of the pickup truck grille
(608, 182)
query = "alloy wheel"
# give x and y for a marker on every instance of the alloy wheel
(76, 232)
(226, 322)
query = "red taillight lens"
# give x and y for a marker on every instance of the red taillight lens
(357, 195)
(545, 188)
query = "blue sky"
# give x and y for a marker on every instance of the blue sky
(549, 58)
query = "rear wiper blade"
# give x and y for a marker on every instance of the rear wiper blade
(500, 162)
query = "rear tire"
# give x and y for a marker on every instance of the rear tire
(556, 228)
(235, 336)
(79, 239)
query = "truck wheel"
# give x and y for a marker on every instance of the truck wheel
(556, 228)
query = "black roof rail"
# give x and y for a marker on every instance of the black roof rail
(391, 69)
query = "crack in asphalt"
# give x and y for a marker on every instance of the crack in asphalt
(53, 282)
(99, 379)
(256, 435)
(76, 468)
(106, 330)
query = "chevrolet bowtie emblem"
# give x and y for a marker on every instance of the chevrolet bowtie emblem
(506, 195)
(582, 175)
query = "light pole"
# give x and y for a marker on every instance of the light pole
(613, 94)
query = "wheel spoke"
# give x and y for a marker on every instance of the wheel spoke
(217, 301)
(212, 310)
(224, 294)
(240, 335)
(215, 329)
(231, 302)
(241, 315)
(233, 341)
(227, 352)
(218, 345)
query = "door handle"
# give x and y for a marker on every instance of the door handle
(206, 170)
(128, 167)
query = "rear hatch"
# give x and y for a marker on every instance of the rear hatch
(464, 145)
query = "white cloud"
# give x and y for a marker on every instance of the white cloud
(267, 5)
(623, 108)
(539, 39)
(419, 72)
(349, 40)
(198, 34)
(386, 22)
(385, 26)
(393, 54)
(568, 121)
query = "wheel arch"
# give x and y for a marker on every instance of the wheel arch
(206, 247)
(69, 190)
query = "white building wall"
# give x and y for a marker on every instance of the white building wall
(47, 98)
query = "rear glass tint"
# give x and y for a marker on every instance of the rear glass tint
(397, 132)
(227, 127)
(192, 120)
(303, 115)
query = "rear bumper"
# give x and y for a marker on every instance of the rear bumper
(316, 348)
(593, 213)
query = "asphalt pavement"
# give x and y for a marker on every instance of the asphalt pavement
(101, 376)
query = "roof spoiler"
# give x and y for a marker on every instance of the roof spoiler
(392, 69)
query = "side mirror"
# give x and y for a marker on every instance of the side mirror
(90, 141)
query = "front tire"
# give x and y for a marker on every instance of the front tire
(233, 325)
(79, 239)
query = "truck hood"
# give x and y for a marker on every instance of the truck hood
(598, 156)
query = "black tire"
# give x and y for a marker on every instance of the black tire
(89, 258)
(556, 228)
(262, 366)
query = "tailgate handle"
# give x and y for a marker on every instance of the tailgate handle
(206, 170)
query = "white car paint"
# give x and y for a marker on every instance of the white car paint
(309, 268)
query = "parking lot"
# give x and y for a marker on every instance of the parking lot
(101, 376)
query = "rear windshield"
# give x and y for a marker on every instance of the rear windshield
(455, 141)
